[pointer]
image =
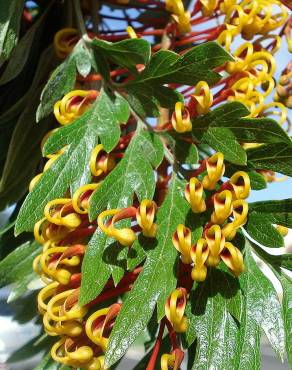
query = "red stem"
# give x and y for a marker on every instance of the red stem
(156, 348)
(172, 335)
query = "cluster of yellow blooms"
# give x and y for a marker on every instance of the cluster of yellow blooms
(62, 232)
(251, 73)
(227, 200)
(250, 18)
(65, 228)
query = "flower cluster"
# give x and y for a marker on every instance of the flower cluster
(224, 200)
(64, 232)
(65, 229)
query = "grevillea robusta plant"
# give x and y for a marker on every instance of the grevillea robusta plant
(132, 133)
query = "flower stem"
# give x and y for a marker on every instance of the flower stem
(79, 18)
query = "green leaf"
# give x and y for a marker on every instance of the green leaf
(156, 280)
(133, 174)
(261, 229)
(247, 130)
(262, 303)
(184, 151)
(23, 154)
(223, 140)
(21, 286)
(71, 169)
(100, 262)
(18, 264)
(262, 216)
(257, 181)
(210, 311)
(138, 252)
(225, 127)
(248, 354)
(63, 78)
(126, 53)
(287, 313)
(48, 363)
(10, 17)
(188, 69)
(146, 99)
(21, 52)
(148, 90)
(274, 157)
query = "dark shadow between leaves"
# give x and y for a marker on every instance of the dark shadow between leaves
(195, 220)
(112, 255)
(218, 282)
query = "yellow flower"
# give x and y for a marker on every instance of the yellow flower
(180, 119)
(145, 217)
(182, 241)
(124, 236)
(203, 97)
(215, 170)
(194, 194)
(175, 308)
(232, 257)
(215, 240)
(199, 255)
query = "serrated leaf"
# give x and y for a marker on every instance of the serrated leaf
(260, 228)
(146, 98)
(232, 116)
(18, 264)
(248, 355)
(10, 17)
(219, 292)
(262, 216)
(63, 79)
(193, 66)
(274, 157)
(263, 303)
(137, 253)
(99, 263)
(148, 90)
(225, 127)
(134, 174)
(223, 140)
(287, 314)
(21, 286)
(157, 279)
(209, 310)
(71, 169)
(126, 53)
